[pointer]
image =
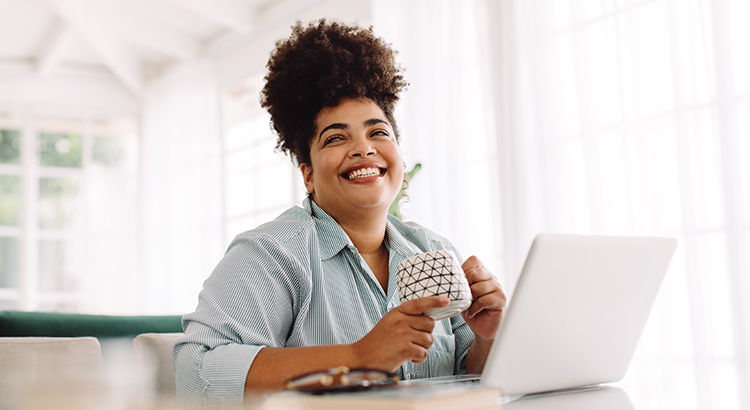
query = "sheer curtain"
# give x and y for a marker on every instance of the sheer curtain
(618, 117)
(631, 118)
(182, 197)
(446, 120)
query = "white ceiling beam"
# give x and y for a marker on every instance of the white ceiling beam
(108, 46)
(151, 35)
(68, 93)
(228, 13)
(53, 48)
(238, 58)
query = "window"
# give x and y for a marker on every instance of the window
(68, 215)
(259, 182)
(630, 118)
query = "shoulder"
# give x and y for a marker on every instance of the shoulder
(276, 251)
(290, 226)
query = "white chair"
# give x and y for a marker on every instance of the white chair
(153, 363)
(31, 367)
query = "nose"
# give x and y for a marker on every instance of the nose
(362, 147)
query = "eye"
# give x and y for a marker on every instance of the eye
(332, 138)
(380, 133)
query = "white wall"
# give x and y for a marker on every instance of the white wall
(181, 186)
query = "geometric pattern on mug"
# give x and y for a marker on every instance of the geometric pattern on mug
(434, 273)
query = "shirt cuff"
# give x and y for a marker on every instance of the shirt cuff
(225, 369)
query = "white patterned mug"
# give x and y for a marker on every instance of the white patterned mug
(434, 273)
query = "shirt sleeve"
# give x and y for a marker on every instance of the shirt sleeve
(463, 333)
(464, 338)
(249, 302)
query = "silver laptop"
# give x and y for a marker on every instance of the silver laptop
(577, 312)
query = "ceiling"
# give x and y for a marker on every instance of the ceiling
(128, 41)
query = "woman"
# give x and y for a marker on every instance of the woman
(315, 288)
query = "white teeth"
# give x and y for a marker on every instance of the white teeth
(364, 172)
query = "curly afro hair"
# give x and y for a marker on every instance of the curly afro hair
(315, 68)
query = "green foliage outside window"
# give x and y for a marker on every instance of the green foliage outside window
(9, 255)
(60, 150)
(108, 151)
(10, 199)
(56, 199)
(395, 208)
(10, 208)
(10, 141)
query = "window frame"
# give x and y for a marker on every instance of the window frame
(29, 294)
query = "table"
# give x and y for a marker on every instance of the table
(683, 385)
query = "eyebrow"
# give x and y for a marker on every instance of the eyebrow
(342, 126)
(336, 126)
(374, 121)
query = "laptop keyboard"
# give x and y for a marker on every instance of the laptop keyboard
(459, 378)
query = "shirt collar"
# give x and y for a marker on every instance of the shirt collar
(331, 236)
(396, 242)
(399, 248)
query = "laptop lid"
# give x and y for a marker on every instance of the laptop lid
(577, 312)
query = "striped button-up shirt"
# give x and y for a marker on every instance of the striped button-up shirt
(299, 281)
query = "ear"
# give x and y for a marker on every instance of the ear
(307, 176)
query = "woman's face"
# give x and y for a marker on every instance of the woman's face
(356, 163)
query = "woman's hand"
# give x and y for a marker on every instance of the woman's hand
(402, 334)
(488, 300)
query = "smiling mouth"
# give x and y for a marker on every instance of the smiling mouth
(364, 173)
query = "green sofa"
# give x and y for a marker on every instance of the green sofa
(48, 324)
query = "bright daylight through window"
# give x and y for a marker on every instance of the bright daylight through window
(67, 214)
(259, 182)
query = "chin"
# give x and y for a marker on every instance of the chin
(374, 204)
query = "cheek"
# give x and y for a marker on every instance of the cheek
(326, 166)
(329, 167)
(398, 163)
(398, 176)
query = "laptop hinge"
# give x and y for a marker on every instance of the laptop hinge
(590, 387)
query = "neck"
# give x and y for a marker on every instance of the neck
(368, 236)
(365, 228)
(367, 232)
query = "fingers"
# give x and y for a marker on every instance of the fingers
(419, 345)
(419, 306)
(485, 287)
(471, 263)
(494, 301)
(486, 292)
(419, 336)
(476, 272)
(423, 340)
(481, 281)
(416, 343)
(403, 334)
